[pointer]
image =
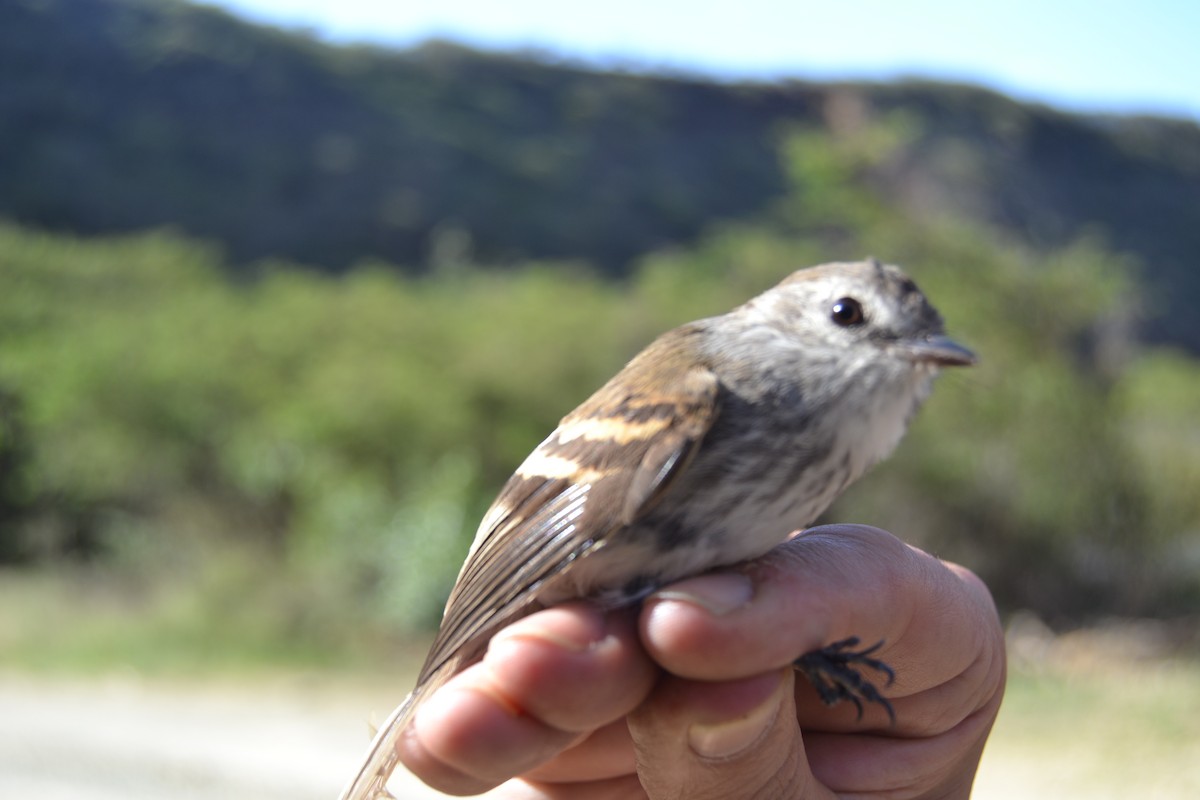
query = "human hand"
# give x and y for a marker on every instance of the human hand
(695, 697)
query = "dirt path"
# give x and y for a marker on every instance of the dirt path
(129, 739)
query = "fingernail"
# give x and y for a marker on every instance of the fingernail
(574, 634)
(730, 737)
(718, 593)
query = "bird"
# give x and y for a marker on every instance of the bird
(708, 448)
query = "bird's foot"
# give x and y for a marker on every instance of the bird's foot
(834, 673)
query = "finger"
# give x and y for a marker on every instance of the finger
(605, 753)
(912, 766)
(936, 624)
(544, 682)
(818, 588)
(728, 740)
(627, 787)
(949, 660)
(572, 667)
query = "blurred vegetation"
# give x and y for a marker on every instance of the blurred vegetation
(294, 464)
(121, 115)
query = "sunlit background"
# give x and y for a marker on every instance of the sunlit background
(1106, 56)
(288, 288)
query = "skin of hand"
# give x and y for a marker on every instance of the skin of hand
(693, 695)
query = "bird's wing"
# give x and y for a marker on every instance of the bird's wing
(604, 466)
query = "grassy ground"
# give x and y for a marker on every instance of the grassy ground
(1117, 734)
(1096, 715)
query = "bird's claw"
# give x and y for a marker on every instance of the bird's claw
(833, 672)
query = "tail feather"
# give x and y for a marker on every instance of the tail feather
(370, 783)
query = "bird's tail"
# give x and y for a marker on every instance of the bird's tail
(370, 783)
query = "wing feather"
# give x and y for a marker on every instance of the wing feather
(623, 452)
(496, 584)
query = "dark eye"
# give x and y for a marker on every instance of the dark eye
(847, 312)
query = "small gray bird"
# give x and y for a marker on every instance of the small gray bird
(708, 448)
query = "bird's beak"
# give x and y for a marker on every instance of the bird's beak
(940, 350)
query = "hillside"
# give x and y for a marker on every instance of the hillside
(119, 115)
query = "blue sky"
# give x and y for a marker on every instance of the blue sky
(1101, 55)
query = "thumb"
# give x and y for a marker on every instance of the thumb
(727, 740)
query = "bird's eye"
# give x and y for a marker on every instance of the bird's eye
(847, 312)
